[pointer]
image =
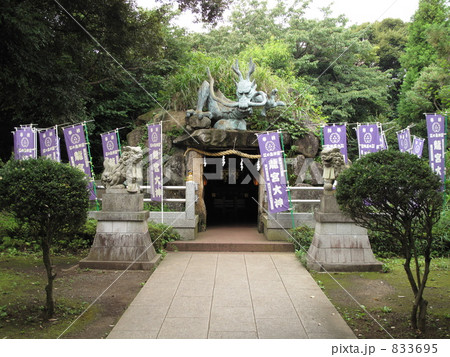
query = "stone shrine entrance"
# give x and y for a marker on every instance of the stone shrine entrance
(230, 191)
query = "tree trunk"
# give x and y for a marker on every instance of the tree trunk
(422, 318)
(414, 316)
(50, 305)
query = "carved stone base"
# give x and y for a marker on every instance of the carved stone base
(122, 240)
(338, 243)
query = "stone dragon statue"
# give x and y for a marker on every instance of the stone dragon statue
(225, 113)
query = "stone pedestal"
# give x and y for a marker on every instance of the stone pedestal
(122, 240)
(338, 243)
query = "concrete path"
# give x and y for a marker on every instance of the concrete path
(231, 295)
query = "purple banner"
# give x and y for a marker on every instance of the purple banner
(336, 136)
(49, 144)
(155, 158)
(436, 143)
(368, 139)
(110, 145)
(274, 174)
(77, 152)
(25, 143)
(404, 140)
(417, 146)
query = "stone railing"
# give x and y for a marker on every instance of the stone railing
(277, 226)
(185, 222)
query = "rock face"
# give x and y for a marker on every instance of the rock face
(218, 139)
(231, 124)
(135, 136)
(307, 171)
(175, 169)
(194, 122)
(308, 145)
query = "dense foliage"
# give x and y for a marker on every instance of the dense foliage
(111, 62)
(48, 197)
(396, 194)
(426, 85)
(82, 60)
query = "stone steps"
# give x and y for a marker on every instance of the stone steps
(231, 239)
(194, 246)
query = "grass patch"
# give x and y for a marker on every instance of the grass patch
(388, 298)
(22, 299)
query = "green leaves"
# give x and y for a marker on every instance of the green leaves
(49, 196)
(391, 192)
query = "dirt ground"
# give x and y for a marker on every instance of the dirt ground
(387, 299)
(22, 297)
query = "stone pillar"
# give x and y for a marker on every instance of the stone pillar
(338, 243)
(190, 199)
(195, 164)
(122, 240)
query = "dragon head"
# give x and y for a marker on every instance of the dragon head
(247, 95)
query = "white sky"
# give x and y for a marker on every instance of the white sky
(357, 11)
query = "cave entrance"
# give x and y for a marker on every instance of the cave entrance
(231, 191)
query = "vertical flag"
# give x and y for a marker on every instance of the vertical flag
(78, 153)
(274, 175)
(436, 143)
(49, 144)
(25, 143)
(155, 165)
(110, 145)
(336, 136)
(368, 138)
(383, 145)
(417, 146)
(404, 140)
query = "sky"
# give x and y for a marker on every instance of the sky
(357, 11)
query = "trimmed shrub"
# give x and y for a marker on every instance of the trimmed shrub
(161, 234)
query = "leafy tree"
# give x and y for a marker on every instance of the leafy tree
(209, 11)
(396, 194)
(341, 65)
(252, 22)
(389, 39)
(427, 47)
(51, 198)
(54, 72)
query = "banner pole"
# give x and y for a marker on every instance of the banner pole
(321, 136)
(287, 181)
(162, 174)
(118, 142)
(94, 186)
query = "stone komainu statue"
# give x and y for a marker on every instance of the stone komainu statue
(127, 170)
(224, 113)
(333, 164)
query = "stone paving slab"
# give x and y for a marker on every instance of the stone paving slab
(218, 295)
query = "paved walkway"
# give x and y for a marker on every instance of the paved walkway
(231, 295)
